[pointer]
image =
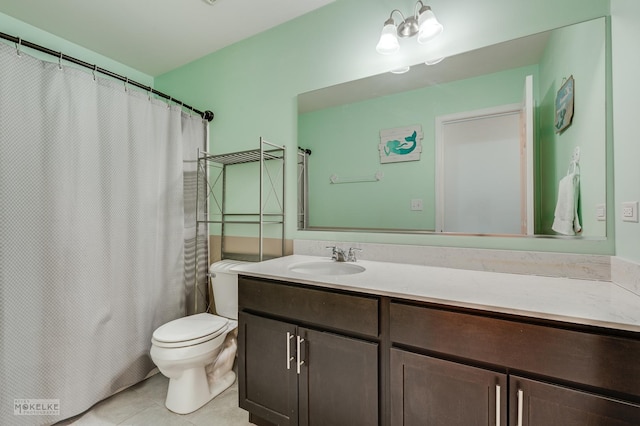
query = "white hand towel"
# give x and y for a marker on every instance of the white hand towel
(566, 219)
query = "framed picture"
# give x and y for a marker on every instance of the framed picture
(400, 144)
(564, 105)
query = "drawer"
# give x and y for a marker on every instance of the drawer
(324, 308)
(591, 358)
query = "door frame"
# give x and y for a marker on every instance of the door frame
(444, 120)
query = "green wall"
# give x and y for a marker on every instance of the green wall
(16, 28)
(626, 92)
(252, 85)
(577, 51)
(353, 131)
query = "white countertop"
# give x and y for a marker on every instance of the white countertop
(598, 303)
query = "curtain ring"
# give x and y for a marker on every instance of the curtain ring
(95, 68)
(149, 92)
(125, 84)
(18, 46)
(60, 61)
(169, 102)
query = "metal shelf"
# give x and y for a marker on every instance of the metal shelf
(271, 187)
(242, 157)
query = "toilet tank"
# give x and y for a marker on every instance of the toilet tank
(224, 285)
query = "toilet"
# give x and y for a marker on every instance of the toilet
(197, 352)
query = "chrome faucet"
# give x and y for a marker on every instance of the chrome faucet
(339, 255)
(351, 256)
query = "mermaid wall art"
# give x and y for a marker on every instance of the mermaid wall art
(400, 144)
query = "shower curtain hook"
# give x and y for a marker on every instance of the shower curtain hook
(60, 61)
(169, 102)
(95, 68)
(125, 84)
(18, 46)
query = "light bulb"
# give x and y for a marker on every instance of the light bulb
(388, 43)
(429, 27)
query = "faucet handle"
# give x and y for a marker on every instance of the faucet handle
(334, 252)
(351, 256)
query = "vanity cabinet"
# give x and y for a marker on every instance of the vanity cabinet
(432, 391)
(307, 356)
(467, 368)
(540, 403)
(310, 355)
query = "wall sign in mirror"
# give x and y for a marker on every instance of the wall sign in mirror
(564, 105)
(400, 144)
(339, 123)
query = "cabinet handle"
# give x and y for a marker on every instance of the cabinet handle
(519, 412)
(299, 362)
(497, 405)
(289, 357)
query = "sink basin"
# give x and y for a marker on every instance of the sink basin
(326, 268)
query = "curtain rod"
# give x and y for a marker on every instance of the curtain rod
(207, 115)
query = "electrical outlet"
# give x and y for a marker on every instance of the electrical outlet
(601, 212)
(416, 204)
(630, 211)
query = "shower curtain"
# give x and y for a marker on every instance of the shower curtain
(92, 234)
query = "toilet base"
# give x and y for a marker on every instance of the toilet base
(199, 393)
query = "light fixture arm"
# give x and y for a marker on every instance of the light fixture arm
(390, 20)
(416, 11)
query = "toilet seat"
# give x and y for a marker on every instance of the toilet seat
(188, 331)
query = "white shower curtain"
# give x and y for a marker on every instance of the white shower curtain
(92, 234)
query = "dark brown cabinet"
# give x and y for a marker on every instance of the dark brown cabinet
(267, 377)
(324, 357)
(294, 371)
(440, 391)
(536, 403)
(338, 382)
(432, 391)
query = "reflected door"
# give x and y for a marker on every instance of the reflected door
(480, 175)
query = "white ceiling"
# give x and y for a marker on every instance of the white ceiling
(156, 36)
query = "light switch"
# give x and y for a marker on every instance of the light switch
(630, 211)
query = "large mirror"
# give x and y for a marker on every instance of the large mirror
(507, 139)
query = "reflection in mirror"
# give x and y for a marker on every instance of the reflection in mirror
(353, 129)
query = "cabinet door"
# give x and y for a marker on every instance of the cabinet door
(267, 378)
(541, 404)
(338, 380)
(431, 391)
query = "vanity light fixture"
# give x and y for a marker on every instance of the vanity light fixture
(401, 70)
(434, 61)
(423, 23)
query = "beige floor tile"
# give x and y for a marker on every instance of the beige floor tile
(157, 416)
(143, 404)
(154, 388)
(223, 410)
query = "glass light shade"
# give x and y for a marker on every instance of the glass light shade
(401, 70)
(429, 27)
(434, 61)
(388, 43)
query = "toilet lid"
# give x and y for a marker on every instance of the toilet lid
(190, 328)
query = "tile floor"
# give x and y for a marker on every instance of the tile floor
(143, 404)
